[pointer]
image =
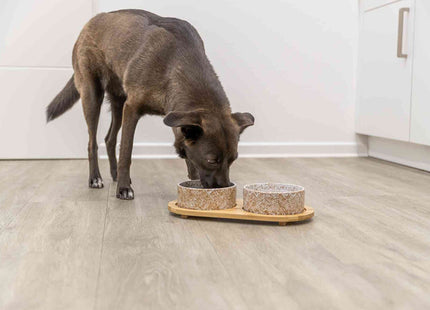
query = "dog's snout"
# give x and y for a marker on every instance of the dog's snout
(222, 183)
(211, 184)
(214, 180)
(205, 184)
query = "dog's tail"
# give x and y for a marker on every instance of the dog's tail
(63, 101)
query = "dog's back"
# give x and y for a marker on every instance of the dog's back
(116, 38)
(136, 49)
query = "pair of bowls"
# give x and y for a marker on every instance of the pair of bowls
(260, 198)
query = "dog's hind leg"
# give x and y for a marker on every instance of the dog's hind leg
(117, 104)
(92, 97)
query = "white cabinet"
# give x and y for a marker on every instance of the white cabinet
(385, 71)
(372, 4)
(420, 110)
(393, 91)
(393, 98)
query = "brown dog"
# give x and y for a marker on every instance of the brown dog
(149, 64)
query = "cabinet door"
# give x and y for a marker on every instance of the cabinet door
(420, 110)
(384, 71)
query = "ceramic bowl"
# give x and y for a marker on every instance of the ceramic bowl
(274, 198)
(192, 195)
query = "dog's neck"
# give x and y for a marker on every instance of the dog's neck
(194, 85)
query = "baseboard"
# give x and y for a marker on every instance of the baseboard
(258, 149)
(146, 150)
(408, 154)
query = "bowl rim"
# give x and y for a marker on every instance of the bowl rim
(246, 187)
(206, 189)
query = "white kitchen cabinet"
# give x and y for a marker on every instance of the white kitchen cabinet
(385, 70)
(393, 91)
(372, 4)
(420, 110)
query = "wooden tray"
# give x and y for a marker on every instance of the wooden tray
(238, 213)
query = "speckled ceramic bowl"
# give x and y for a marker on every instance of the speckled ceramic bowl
(192, 195)
(274, 198)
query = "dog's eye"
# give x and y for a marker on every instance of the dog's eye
(212, 161)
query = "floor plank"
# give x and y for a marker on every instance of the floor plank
(19, 181)
(50, 254)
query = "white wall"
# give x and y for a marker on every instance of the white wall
(290, 63)
(36, 41)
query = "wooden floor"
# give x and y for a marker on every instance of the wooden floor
(65, 246)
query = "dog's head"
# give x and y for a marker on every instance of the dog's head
(209, 141)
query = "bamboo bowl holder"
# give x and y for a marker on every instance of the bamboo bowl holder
(269, 202)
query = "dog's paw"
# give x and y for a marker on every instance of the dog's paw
(95, 183)
(125, 193)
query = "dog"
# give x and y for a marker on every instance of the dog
(148, 64)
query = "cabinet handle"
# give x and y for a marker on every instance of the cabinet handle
(400, 33)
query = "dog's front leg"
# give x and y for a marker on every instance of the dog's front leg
(129, 122)
(193, 174)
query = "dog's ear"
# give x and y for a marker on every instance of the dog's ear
(243, 120)
(189, 122)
